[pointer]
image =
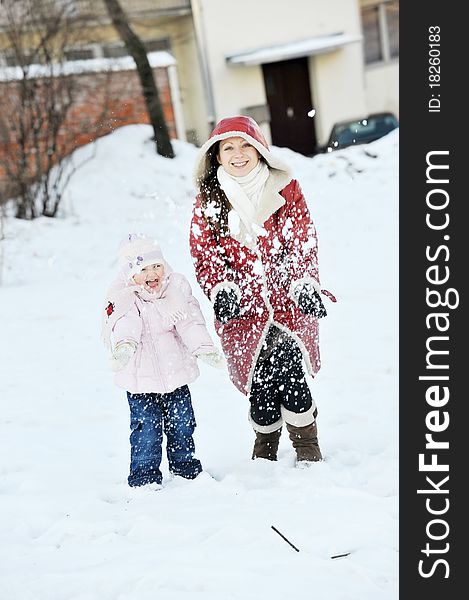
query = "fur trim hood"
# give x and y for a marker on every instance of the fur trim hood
(248, 129)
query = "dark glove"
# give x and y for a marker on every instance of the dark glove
(310, 303)
(226, 306)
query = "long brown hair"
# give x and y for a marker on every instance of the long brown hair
(215, 205)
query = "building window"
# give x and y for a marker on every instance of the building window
(79, 53)
(114, 50)
(117, 50)
(9, 59)
(371, 34)
(380, 24)
(392, 20)
(22, 58)
(159, 44)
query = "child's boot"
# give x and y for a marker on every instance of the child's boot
(305, 442)
(266, 445)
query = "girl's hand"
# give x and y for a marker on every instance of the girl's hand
(214, 359)
(123, 352)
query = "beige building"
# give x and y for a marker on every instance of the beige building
(280, 60)
(277, 60)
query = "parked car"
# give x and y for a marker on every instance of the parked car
(360, 131)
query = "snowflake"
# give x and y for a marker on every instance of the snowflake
(196, 230)
(212, 210)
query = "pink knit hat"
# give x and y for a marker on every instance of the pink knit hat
(136, 252)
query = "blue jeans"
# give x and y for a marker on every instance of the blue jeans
(150, 414)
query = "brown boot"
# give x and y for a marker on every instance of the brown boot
(305, 442)
(266, 445)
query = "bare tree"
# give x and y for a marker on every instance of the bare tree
(35, 139)
(136, 49)
(2, 237)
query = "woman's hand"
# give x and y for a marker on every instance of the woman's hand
(226, 306)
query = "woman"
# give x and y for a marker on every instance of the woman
(255, 252)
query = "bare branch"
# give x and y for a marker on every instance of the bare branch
(37, 134)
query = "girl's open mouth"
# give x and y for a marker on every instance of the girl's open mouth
(153, 284)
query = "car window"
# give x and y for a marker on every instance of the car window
(355, 131)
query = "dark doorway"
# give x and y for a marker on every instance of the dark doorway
(289, 97)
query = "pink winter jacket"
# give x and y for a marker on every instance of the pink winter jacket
(169, 330)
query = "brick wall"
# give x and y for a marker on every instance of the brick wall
(103, 102)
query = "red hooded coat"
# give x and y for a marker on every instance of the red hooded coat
(263, 276)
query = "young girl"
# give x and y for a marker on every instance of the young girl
(255, 252)
(155, 330)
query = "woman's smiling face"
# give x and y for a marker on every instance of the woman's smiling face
(151, 277)
(237, 156)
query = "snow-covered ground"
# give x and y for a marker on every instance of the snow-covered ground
(71, 528)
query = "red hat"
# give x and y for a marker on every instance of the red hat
(239, 126)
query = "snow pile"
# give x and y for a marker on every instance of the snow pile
(70, 526)
(156, 59)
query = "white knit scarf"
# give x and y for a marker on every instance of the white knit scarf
(244, 193)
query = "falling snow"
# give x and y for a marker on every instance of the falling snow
(71, 528)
